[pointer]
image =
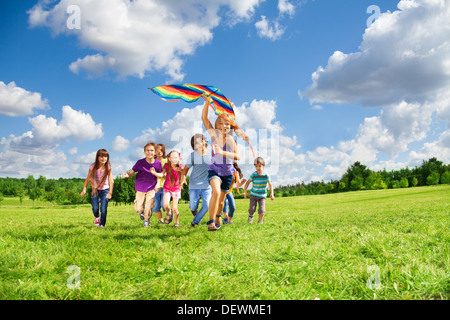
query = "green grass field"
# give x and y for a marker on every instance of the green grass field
(386, 244)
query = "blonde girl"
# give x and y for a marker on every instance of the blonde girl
(221, 169)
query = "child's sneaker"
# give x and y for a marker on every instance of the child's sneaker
(146, 224)
(260, 221)
(250, 219)
(142, 216)
(97, 222)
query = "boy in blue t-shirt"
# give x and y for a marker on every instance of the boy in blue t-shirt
(258, 193)
(199, 186)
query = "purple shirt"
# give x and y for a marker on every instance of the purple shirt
(221, 165)
(146, 181)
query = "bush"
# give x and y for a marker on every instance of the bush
(445, 178)
(433, 179)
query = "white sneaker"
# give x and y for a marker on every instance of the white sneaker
(97, 222)
(146, 224)
(260, 221)
(250, 220)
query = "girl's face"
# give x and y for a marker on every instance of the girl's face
(103, 159)
(174, 158)
(159, 152)
(150, 152)
(222, 125)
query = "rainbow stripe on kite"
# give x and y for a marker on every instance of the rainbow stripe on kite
(192, 92)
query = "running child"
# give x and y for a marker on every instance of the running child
(221, 169)
(147, 182)
(102, 182)
(258, 194)
(158, 207)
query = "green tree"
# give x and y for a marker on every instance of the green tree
(356, 183)
(445, 178)
(404, 183)
(433, 179)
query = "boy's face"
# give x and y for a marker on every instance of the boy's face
(149, 152)
(198, 144)
(259, 167)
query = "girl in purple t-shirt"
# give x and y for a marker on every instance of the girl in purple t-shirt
(221, 169)
(147, 182)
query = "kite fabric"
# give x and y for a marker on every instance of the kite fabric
(192, 92)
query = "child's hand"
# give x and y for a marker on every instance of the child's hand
(152, 170)
(272, 197)
(245, 194)
(217, 149)
(83, 192)
(109, 196)
(125, 175)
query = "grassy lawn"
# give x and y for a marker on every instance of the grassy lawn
(384, 244)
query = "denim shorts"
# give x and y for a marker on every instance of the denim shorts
(225, 181)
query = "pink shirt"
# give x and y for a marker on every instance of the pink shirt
(176, 183)
(98, 178)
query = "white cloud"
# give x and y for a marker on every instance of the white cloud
(266, 29)
(285, 7)
(140, 37)
(120, 144)
(403, 57)
(47, 133)
(16, 101)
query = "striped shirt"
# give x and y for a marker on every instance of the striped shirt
(259, 183)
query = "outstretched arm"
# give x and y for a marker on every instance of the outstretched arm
(208, 126)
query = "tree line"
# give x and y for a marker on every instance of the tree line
(357, 177)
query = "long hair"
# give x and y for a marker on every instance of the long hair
(170, 171)
(238, 170)
(163, 149)
(101, 152)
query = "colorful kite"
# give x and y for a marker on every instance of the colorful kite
(192, 92)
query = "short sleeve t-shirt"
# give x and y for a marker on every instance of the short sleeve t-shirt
(259, 184)
(145, 180)
(198, 178)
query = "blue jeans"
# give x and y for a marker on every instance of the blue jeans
(158, 207)
(100, 196)
(229, 201)
(194, 200)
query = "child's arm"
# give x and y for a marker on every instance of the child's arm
(183, 176)
(86, 182)
(111, 186)
(158, 175)
(208, 126)
(272, 197)
(128, 174)
(245, 188)
(233, 154)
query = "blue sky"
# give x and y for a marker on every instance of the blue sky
(315, 88)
